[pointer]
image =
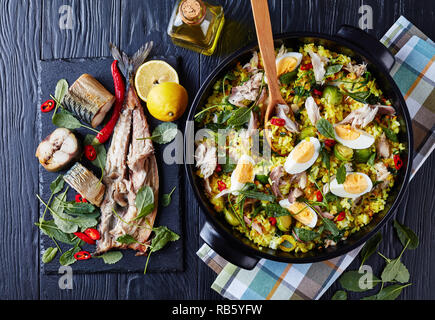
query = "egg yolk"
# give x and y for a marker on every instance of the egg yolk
(244, 172)
(346, 132)
(301, 212)
(286, 65)
(303, 152)
(355, 184)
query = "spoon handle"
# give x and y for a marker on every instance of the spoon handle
(260, 10)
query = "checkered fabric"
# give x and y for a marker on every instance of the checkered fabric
(414, 72)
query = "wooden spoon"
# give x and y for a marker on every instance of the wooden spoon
(260, 10)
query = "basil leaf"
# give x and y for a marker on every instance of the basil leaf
(305, 235)
(166, 198)
(111, 257)
(57, 185)
(258, 195)
(364, 97)
(165, 133)
(341, 174)
(126, 239)
(163, 235)
(275, 210)
(49, 254)
(350, 281)
(391, 292)
(405, 234)
(289, 77)
(390, 134)
(68, 257)
(331, 70)
(339, 295)
(144, 202)
(240, 117)
(325, 128)
(370, 247)
(61, 89)
(64, 119)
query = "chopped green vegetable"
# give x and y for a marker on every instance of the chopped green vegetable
(343, 153)
(283, 223)
(362, 155)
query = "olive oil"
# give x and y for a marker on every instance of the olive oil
(196, 25)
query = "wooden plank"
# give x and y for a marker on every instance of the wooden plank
(19, 49)
(93, 25)
(143, 21)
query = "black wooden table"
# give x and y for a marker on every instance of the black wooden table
(30, 31)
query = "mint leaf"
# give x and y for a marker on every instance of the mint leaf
(111, 257)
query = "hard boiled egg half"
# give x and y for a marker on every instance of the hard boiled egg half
(353, 138)
(288, 62)
(302, 156)
(355, 185)
(301, 212)
(242, 174)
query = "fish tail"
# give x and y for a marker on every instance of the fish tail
(128, 66)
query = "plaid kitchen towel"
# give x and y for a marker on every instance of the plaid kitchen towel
(414, 72)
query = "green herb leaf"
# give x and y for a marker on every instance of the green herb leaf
(50, 229)
(76, 208)
(339, 295)
(371, 161)
(350, 281)
(163, 235)
(330, 197)
(364, 97)
(61, 89)
(100, 160)
(370, 247)
(289, 77)
(325, 128)
(57, 185)
(144, 202)
(275, 210)
(391, 292)
(341, 174)
(240, 117)
(262, 178)
(306, 235)
(68, 257)
(49, 254)
(286, 244)
(165, 133)
(331, 70)
(331, 227)
(126, 239)
(326, 158)
(166, 198)
(405, 234)
(65, 119)
(111, 257)
(391, 270)
(390, 134)
(257, 195)
(403, 275)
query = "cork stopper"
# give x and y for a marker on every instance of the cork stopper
(192, 11)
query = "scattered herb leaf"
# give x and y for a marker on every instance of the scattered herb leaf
(325, 128)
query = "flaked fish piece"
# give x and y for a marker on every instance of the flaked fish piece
(382, 174)
(58, 150)
(89, 100)
(206, 159)
(249, 90)
(252, 65)
(282, 113)
(358, 69)
(85, 183)
(294, 194)
(276, 175)
(312, 110)
(131, 165)
(318, 63)
(363, 116)
(383, 147)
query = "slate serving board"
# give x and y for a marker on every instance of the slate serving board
(166, 260)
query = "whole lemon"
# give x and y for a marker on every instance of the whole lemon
(167, 101)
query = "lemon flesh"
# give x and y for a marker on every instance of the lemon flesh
(151, 74)
(167, 101)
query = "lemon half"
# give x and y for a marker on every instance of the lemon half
(151, 74)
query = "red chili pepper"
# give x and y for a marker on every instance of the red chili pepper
(317, 92)
(319, 196)
(307, 66)
(341, 216)
(221, 185)
(278, 122)
(272, 221)
(93, 234)
(106, 132)
(218, 168)
(84, 237)
(90, 153)
(398, 163)
(330, 143)
(48, 105)
(79, 198)
(82, 255)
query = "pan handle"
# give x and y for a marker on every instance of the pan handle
(225, 249)
(367, 43)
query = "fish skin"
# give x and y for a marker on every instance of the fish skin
(131, 164)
